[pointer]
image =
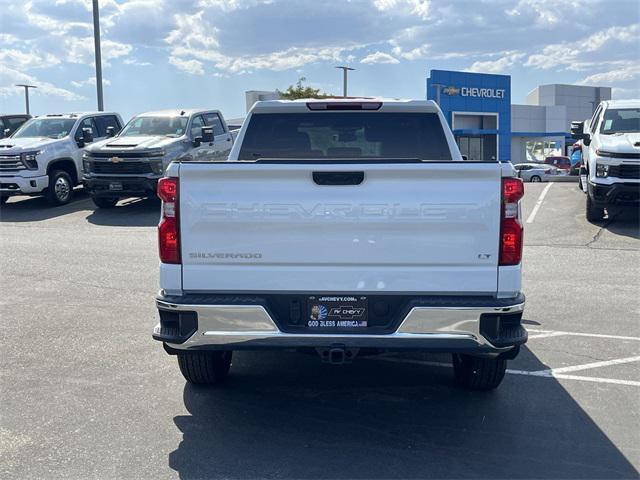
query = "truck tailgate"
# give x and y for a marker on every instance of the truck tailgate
(406, 227)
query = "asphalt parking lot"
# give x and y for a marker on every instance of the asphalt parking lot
(86, 393)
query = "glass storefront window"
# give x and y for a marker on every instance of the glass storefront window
(538, 150)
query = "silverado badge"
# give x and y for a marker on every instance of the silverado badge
(115, 159)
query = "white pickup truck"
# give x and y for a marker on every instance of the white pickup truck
(44, 156)
(130, 163)
(610, 157)
(345, 226)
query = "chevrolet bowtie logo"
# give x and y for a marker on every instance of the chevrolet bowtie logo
(451, 91)
(115, 159)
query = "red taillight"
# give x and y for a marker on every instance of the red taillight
(512, 190)
(168, 229)
(511, 231)
(168, 189)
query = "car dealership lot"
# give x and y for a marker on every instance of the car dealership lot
(85, 392)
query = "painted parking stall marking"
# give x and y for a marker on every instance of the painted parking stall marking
(561, 373)
(534, 212)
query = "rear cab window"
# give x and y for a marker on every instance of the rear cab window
(86, 123)
(213, 120)
(105, 121)
(345, 135)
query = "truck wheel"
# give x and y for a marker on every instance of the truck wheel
(594, 214)
(60, 188)
(536, 179)
(105, 202)
(477, 373)
(204, 368)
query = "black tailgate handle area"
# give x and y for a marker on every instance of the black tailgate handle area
(338, 178)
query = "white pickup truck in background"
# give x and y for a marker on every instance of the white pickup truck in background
(130, 163)
(610, 157)
(44, 156)
(345, 226)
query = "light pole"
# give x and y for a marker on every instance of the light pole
(344, 79)
(26, 93)
(438, 87)
(96, 41)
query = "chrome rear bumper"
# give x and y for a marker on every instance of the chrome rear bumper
(439, 328)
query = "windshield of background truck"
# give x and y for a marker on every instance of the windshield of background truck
(155, 126)
(46, 127)
(620, 120)
(346, 135)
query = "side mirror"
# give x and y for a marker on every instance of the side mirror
(6, 132)
(87, 135)
(111, 131)
(577, 128)
(197, 141)
(207, 135)
(577, 132)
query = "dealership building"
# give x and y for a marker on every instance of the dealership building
(488, 126)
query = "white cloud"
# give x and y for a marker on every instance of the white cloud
(624, 78)
(21, 60)
(284, 60)
(135, 61)
(194, 42)
(497, 66)
(379, 57)
(548, 13)
(580, 53)
(631, 72)
(91, 81)
(193, 31)
(404, 7)
(231, 5)
(8, 39)
(81, 50)
(194, 67)
(9, 77)
(417, 53)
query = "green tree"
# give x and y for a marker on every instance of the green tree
(300, 91)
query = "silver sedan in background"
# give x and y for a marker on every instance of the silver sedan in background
(539, 172)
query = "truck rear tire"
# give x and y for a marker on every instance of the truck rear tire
(60, 188)
(477, 373)
(105, 202)
(204, 368)
(593, 213)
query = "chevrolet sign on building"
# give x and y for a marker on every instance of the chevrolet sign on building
(487, 126)
(474, 92)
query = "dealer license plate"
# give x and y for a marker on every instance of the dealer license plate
(115, 186)
(328, 311)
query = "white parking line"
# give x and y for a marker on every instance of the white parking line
(587, 366)
(532, 216)
(549, 373)
(546, 335)
(562, 376)
(578, 334)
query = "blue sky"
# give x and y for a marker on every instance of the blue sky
(191, 53)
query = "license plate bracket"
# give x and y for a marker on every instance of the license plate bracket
(337, 311)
